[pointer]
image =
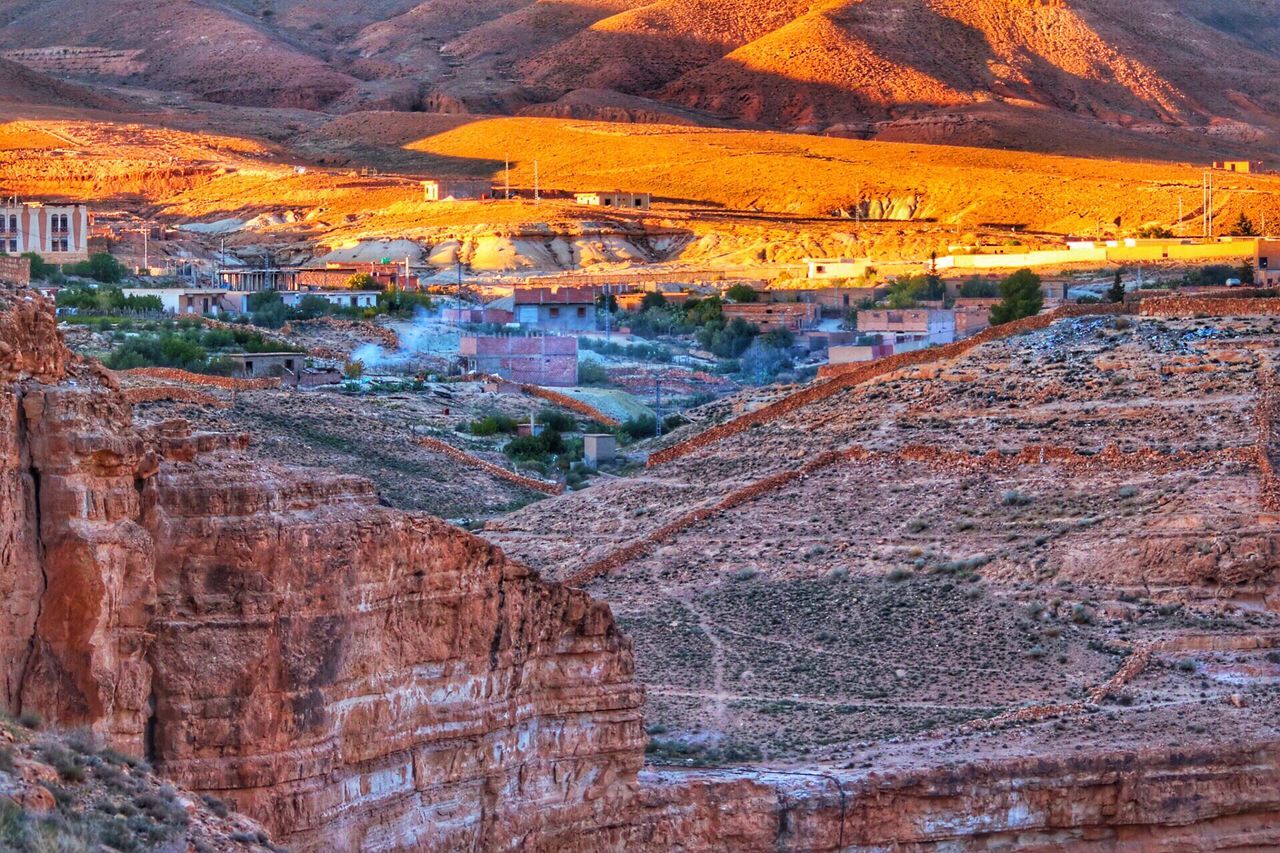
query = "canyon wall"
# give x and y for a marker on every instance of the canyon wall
(361, 678)
(350, 675)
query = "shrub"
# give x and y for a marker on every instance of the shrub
(100, 267)
(634, 429)
(1021, 296)
(741, 293)
(557, 420)
(492, 425)
(592, 373)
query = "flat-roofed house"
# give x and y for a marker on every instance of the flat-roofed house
(59, 233)
(457, 189)
(617, 198)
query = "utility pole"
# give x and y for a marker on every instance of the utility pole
(608, 315)
(537, 186)
(657, 405)
(1179, 228)
(506, 177)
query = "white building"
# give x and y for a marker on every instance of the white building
(59, 233)
(617, 198)
(338, 298)
(836, 268)
(187, 300)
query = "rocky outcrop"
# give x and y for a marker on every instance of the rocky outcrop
(1192, 799)
(347, 674)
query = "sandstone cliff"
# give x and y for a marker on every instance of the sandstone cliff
(359, 678)
(347, 674)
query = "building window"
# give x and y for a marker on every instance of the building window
(555, 312)
(13, 246)
(288, 364)
(58, 245)
(248, 368)
(582, 312)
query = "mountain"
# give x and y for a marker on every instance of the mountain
(1017, 73)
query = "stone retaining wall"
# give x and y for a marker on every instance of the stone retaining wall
(465, 458)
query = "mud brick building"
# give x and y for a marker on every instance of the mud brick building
(533, 360)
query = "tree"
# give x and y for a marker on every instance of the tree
(41, 269)
(362, 281)
(1244, 227)
(100, 267)
(779, 338)
(1021, 296)
(907, 291)
(655, 300)
(311, 306)
(612, 303)
(1115, 293)
(742, 293)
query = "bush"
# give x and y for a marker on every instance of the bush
(492, 425)
(634, 429)
(100, 267)
(41, 270)
(741, 293)
(557, 420)
(592, 373)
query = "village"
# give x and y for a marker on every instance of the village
(490, 363)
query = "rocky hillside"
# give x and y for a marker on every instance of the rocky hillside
(997, 72)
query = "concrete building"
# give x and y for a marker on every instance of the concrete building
(934, 326)
(246, 280)
(556, 309)
(829, 268)
(339, 298)
(858, 353)
(186, 300)
(457, 189)
(59, 233)
(598, 447)
(796, 316)
(1241, 166)
(617, 198)
(1266, 263)
(528, 360)
(257, 365)
(386, 275)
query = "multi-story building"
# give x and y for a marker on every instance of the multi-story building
(59, 233)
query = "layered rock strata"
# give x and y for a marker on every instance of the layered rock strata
(350, 675)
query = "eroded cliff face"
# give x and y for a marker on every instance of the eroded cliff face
(363, 679)
(352, 676)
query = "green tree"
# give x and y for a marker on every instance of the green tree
(655, 300)
(742, 293)
(1115, 293)
(908, 291)
(612, 303)
(1244, 227)
(1021, 296)
(362, 281)
(41, 269)
(311, 306)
